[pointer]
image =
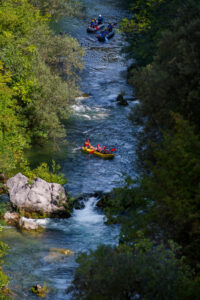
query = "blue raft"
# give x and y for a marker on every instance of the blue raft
(108, 36)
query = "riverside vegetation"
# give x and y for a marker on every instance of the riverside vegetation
(32, 81)
(158, 256)
(38, 70)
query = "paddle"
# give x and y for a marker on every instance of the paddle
(113, 149)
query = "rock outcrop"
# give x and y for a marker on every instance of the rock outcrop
(11, 218)
(29, 225)
(38, 196)
(62, 251)
(105, 200)
(56, 254)
(121, 100)
(40, 291)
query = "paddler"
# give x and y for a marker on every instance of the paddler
(110, 27)
(100, 19)
(92, 23)
(104, 150)
(98, 148)
(104, 33)
(88, 145)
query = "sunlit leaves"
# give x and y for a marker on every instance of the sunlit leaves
(35, 99)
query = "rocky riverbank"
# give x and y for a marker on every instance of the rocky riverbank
(34, 199)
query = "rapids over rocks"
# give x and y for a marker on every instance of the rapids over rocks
(103, 121)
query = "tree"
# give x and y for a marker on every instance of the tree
(58, 8)
(174, 188)
(12, 135)
(144, 29)
(144, 272)
(33, 54)
(171, 82)
(42, 81)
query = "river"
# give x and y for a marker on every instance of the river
(103, 121)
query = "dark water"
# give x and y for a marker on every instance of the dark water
(102, 120)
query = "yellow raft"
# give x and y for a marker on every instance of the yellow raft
(102, 155)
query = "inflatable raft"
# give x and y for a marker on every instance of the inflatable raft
(108, 36)
(95, 29)
(99, 154)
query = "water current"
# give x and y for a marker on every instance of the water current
(100, 118)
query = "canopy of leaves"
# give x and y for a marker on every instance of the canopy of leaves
(171, 82)
(143, 30)
(12, 133)
(3, 277)
(58, 8)
(39, 77)
(109, 273)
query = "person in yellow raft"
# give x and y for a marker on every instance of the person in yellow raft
(88, 145)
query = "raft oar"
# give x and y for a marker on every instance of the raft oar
(113, 149)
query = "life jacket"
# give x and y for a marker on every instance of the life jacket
(86, 144)
(110, 27)
(100, 20)
(104, 33)
(98, 148)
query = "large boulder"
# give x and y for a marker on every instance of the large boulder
(38, 196)
(29, 224)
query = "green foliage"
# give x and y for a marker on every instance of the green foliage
(49, 174)
(146, 272)
(165, 203)
(58, 8)
(40, 291)
(3, 250)
(3, 284)
(35, 95)
(12, 140)
(171, 82)
(144, 29)
(3, 208)
(3, 277)
(174, 187)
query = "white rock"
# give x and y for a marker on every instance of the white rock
(37, 196)
(28, 224)
(11, 218)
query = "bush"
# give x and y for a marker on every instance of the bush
(146, 272)
(50, 174)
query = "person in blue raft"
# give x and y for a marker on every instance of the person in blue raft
(104, 33)
(100, 19)
(110, 27)
(92, 23)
